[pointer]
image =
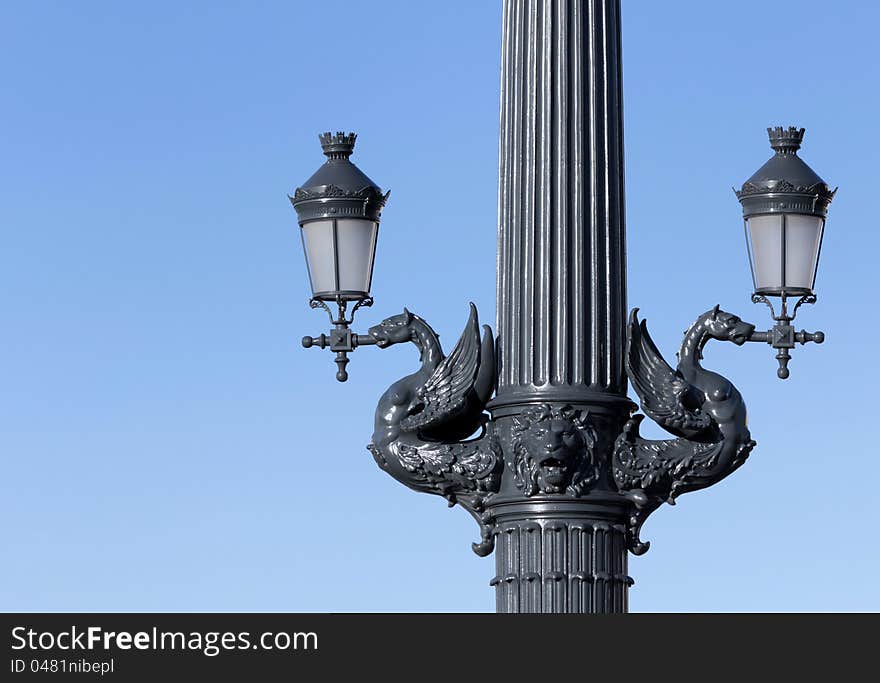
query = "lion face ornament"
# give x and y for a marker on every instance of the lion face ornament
(553, 451)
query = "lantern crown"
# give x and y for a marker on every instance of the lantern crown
(786, 141)
(338, 146)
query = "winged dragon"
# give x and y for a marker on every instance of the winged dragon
(431, 432)
(701, 408)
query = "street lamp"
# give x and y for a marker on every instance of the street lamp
(338, 210)
(785, 204)
(532, 431)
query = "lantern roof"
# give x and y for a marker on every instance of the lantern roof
(338, 189)
(785, 183)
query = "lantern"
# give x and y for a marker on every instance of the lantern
(338, 210)
(784, 206)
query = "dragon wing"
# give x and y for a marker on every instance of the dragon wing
(445, 395)
(664, 393)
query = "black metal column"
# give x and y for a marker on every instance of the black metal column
(561, 397)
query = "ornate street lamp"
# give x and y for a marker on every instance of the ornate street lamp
(338, 210)
(785, 204)
(532, 432)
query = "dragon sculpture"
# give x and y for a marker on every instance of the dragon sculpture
(702, 408)
(424, 420)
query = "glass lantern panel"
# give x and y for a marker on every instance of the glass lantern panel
(319, 245)
(765, 250)
(356, 240)
(803, 235)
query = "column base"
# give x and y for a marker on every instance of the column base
(559, 560)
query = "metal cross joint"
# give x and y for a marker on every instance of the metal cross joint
(341, 340)
(783, 336)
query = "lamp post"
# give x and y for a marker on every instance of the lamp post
(532, 431)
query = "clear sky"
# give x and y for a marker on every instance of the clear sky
(166, 444)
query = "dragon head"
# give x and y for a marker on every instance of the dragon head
(728, 327)
(394, 330)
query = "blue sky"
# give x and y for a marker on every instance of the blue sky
(165, 442)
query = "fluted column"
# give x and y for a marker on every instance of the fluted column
(559, 524)
(561, 260)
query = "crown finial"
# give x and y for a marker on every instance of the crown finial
(786, 141)
(338, 146)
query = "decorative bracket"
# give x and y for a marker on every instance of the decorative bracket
(431, 431)
(703, 409)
